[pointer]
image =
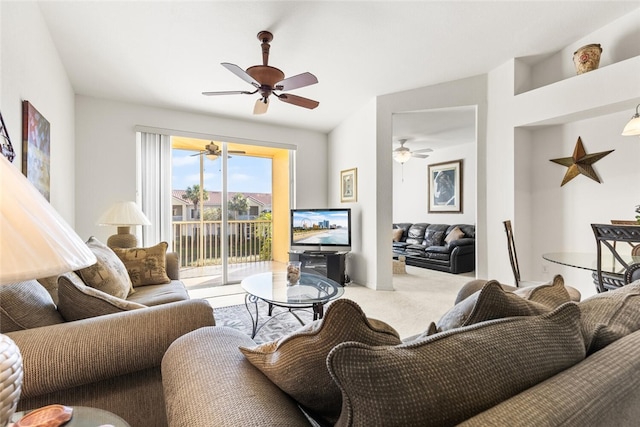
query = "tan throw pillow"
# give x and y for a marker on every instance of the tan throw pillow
(609, 316)
(108, 274)
(77, 301)
(454, 234)
(26, 305)
(552, 294)
(397, 234)
(490, 302)
(146, 266)
(297, 363)
(450, 377)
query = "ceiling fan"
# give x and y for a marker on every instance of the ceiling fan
(212, 151)
(267, 80)
(402, 153)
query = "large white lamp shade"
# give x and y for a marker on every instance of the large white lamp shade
(35, 242)
(123, 215)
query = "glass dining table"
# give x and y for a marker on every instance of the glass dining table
(589, 261)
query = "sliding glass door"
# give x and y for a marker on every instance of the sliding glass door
(223, 208)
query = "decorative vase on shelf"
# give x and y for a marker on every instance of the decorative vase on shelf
(587, 58)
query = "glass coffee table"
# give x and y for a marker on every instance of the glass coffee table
(312, 291)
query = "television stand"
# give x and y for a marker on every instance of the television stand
(329, 264)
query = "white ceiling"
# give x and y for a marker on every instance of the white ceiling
(166, 53)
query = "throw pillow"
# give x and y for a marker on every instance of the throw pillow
(551, 294)
(397, 234)
(146, 266)
(454, 234)
(449, 377)
(490, 302)
(26, 305)
(610, 315)
(77, 301)
(433, 238)
(108, 274)
(297, 363)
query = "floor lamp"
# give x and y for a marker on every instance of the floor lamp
(35, 242)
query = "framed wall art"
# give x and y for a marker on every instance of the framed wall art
(444, 187)
(36, 147)
(349, 185)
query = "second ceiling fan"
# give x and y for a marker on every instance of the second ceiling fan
(269, 80)
(403, 154)
(212, 151)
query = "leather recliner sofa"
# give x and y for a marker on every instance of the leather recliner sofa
(442, 247)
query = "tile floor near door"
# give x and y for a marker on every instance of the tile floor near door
(421, 296)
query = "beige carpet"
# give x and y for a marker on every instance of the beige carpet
(421, 296)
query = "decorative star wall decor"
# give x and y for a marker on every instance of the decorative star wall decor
(580, 163)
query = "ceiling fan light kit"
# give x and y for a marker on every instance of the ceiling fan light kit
(633, 127)
(402, 154)
(267, 79)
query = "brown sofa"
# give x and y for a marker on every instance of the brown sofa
(108, 357)
(570, 383)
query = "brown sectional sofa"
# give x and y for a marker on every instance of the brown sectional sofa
(525, 370)
(109, 361)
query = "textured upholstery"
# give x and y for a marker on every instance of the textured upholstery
(449, 377)
(608, 316)
(208, 382)
(26, 305)
(76, 301)
(602, 390)
(145, 266)
(108, 273)
(303, 354)
(110, 362)
(491, 302)
(160, 294)
(474, 286)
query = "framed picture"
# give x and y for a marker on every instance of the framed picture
(36, 146)
(349, 185)
(445, 187)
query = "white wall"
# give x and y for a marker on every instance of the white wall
(565, 213)
(351, 146)
(106, 150)
(30, 70)
(410, 183)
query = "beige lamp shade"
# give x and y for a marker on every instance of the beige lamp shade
(35, 242)
(123, 215)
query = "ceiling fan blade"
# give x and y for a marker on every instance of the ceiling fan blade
(230, 92)
(236, 152)
(241, 73)
(261, 106)
(295, 82)
(299, 101)
(419, 156)
(424, 150)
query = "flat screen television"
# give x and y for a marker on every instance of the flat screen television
(321, 229)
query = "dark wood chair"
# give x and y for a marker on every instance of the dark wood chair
(513, 256)
(607, 235)
(632, 273)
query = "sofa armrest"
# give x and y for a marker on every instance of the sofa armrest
(207, 381)
(71, 354)
(465, 241)
(173, 266)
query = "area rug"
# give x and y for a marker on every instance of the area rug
(270, 328)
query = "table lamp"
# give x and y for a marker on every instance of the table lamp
(123, 215)
(35, 242)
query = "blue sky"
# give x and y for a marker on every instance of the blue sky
(246, 174)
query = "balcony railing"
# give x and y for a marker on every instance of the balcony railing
(199, 243)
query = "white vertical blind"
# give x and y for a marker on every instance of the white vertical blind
(154, 186)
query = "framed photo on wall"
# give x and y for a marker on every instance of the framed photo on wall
(444, 187)
(349, 185)
(36, 147)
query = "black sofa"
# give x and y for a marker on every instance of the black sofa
(436, 246)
